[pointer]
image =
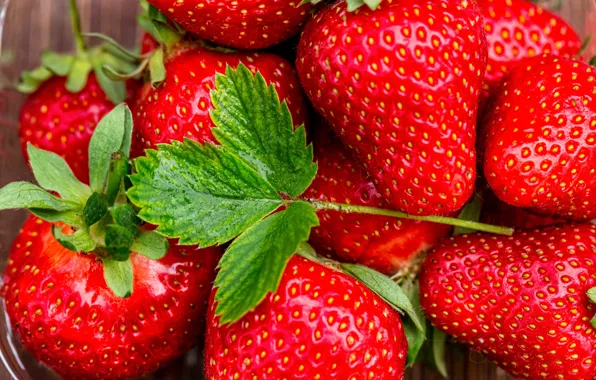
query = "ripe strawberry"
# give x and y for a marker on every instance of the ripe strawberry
(520, 300)
(382, 243)
(320, 324)
(400, 85)
(518, 29)
(55, 119)
(180, 107)
(254, 24)
(540, 151)
(67, 317)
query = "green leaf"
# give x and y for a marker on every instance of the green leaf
(72, 218)
(471, 212)
(53, 174)
(95, 209)
(200, 194)
(439, 341)
(79, 73)
(119, 276)
(30, 81)
(252, 123)
(385, 288)
(80, 241)
(592, 294)
(151, 245)
(147, 25)
(415, 336)
(114, 90)
(18, 195)
(255, 262)
(125, 216)
(157, 68)
(118, 242)
(59, 64)
(109, 138)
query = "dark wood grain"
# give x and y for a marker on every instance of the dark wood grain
(36, 25)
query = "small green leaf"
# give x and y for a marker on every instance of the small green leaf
(79, 73)
(72, 218)
(119, 276)
(114, 90)
(415, 336)
(53, 174)
(151, 245)
(30, 81)
(385, 288)
(119, 168)
(59, 64)
(118, 242)
(252, 123)
(355, 4)
(199, 193)
(471, 212)
(255, 262)
(95, 209)
(157, 68)
(125, 216)
(18, 195)
(438, 351)
(80, 241)
(109, 138)
(592, 294)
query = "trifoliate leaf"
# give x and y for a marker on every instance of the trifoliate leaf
(119, 276)
(385, 288)
(415, 336)
(118, 242)
(199, 193)
(59, 64)
(254, 264)
(78, 75)
(124, 215)
(80, 241)
(151, 245)
(471, 212)
(53, 174)
(112, 135)
(17, 195)
(252, 123)
(95, 209)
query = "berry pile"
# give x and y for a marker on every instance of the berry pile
(303, 190)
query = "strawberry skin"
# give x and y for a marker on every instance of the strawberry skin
(248, 24)
(320, 324)
(540, 143)
(382, 243)
(56, 120)
(520, 300)
(67, 317)
(402, 92)
(180, 107)
(518, 29)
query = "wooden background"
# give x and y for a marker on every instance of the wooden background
(32, 26)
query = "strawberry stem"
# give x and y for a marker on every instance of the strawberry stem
(398, 214)
(76, 27)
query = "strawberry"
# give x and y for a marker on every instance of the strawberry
(66, 316)
(180, 107)
(55, 119)
(400, 85)
(382, 243)
(319, 324)
(518, 29)
(540, 151)
(254, 24)
(520, 300)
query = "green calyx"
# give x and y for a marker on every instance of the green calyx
(99, 218)
(77, 67)
(352, 4)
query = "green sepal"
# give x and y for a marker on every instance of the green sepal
(59, 64)
(32, 80)
(592, 294)
(385, 288)
(25, 195)
(119, 168)
(118, 242)
(114, 90)
(151, 245)
(72, 218)
(79, 75)
(472, 212)
(80, 241)
(124, 215)
(439, 343)
(95, 209)
(157, 68)
(356, 4)
(416, 337)
(118, 276)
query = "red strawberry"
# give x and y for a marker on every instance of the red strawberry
(520, 300)
(541, 145)
(400, 85)
(179, 108)
(382, 243)
(62, 122)
(320, 324)
(518, 29)
(67, 317)
(148, 43)
(253, 24)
